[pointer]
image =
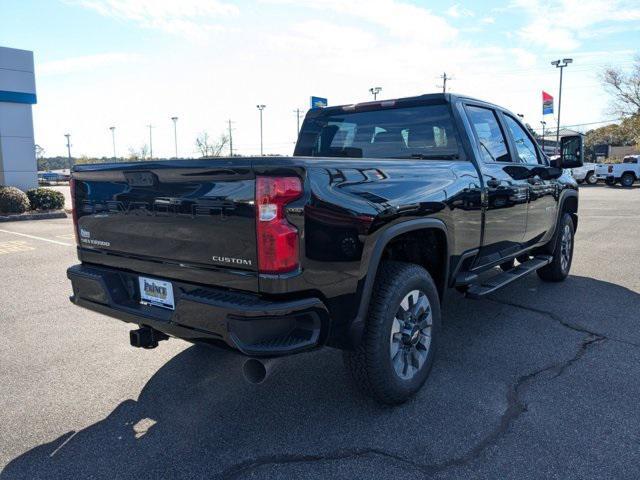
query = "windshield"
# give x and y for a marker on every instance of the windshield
(406, 132)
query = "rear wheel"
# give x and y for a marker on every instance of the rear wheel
(559, 267)
(591, 178)
(627, 180)
(397, 350)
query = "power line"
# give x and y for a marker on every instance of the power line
(588, 123)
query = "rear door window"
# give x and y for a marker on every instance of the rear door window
(489, 134)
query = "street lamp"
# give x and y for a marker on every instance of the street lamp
(560, 64)
(175, 133)
(68, 136)
(113, 139)
(375, 91)
(150, 142)
(261, 108)
(544, 124)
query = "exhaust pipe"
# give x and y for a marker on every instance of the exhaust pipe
(256, 371)
(146, 337)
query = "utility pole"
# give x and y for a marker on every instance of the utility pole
(150, 142)
(560, 64)
(375, 91)
(544, 124)
(444, 78)
(297, 112)
(230, 139)
(261, 108)
(175, 133)
(113, 139)
(68, 135)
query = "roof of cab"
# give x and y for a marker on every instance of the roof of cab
(428, 97)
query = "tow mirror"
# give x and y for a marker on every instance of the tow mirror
(571, 151)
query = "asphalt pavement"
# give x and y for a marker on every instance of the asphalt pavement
(538, 381)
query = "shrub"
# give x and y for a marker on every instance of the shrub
(13, 200)
(45, 199)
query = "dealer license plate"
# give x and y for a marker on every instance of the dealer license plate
(156, 292)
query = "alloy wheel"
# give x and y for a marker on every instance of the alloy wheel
(410, 338)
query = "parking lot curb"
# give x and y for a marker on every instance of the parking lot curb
(34, 216)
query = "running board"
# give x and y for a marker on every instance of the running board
(505, 278)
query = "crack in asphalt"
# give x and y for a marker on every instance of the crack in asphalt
(515, 408)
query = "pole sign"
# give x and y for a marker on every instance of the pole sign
(547, 103)
(318, 102)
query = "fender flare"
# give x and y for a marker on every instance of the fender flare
(564, 196)
(356, 328)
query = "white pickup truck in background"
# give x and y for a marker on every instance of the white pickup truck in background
(585, 173)
(625, 173)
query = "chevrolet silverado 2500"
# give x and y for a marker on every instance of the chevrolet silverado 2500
(350, 243)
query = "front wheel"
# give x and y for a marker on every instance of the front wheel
(558, 269)
(397, 350)
(591, 178)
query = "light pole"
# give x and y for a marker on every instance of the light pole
(68, 136)
(175, 133)
(297, 112)
(261, 108)
(113, 139)
(560, 64)
(150, 142)
(544, 124)
(375, 91)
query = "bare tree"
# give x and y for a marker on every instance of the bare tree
(208, 148)
(138, 154)
(625, 89)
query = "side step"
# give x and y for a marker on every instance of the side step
(505, 278)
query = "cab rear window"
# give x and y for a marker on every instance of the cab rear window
(406, 132)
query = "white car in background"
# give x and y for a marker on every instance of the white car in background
(626, 173)
(585, 173)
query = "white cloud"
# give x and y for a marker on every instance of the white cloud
(456, 11)
(488, 20)
(400, 19)
(85, 63)
(561, 24)
(192, 19)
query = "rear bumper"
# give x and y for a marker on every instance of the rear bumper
(246, 322)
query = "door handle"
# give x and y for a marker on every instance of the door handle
(493, 183)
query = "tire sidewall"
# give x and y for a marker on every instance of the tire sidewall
(624, 178)
(414, 282)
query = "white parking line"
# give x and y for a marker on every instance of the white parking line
(39, 238)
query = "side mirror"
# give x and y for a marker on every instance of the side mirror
(571, 151)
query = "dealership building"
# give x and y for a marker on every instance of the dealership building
(18, 166)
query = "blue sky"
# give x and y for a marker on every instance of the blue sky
(131, 63)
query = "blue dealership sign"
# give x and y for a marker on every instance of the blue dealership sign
(318, 102)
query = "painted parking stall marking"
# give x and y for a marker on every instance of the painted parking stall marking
(15, 246)
(34, 237)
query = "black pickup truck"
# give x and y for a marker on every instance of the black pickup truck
(350, 243)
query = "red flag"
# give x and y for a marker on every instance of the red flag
(547, 103)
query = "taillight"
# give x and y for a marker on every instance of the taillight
(610, 168)
(277, 239)
(74, 210)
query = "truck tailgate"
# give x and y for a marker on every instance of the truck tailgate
(197, 214)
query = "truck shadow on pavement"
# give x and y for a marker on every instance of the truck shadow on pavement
(196, 417)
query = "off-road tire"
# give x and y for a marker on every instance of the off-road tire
(370, 364)
(557, 271)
